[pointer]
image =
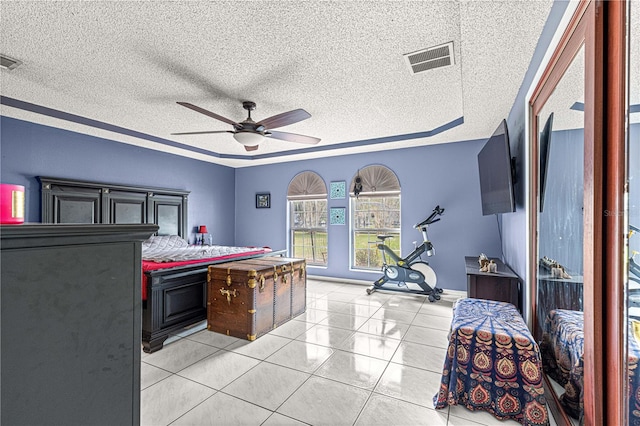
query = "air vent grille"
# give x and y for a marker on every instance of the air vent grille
(430, 58)
(8, 63)
(438, 63)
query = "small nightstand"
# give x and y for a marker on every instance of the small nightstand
(503, 286)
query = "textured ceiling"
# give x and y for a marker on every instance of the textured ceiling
(127, 63)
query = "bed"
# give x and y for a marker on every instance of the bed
(174, 284)
(173, 288)
(562, 348)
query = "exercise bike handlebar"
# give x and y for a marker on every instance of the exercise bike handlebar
(431, 219)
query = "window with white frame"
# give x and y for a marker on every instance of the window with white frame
(375, 210)
(307, 199)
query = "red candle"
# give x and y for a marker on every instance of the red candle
(11, 203)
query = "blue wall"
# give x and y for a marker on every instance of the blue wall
(445, 174)
(560, 224)
(515, 224)
(634, 188)
(224, 198)
(30, 150)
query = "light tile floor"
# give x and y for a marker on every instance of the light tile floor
(350, 359)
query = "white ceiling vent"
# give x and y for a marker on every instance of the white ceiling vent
(7, 63)
(430, 58)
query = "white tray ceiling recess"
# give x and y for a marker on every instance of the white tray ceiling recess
(117, 69)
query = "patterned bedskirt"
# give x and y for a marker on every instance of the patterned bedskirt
(493, 364)
(562, 347)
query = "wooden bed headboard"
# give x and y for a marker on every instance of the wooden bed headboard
(74, 201)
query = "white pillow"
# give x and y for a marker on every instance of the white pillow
(165, 242)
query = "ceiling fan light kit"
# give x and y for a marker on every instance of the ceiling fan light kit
(251, 134)
(248, 138)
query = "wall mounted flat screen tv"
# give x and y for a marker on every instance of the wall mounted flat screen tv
(496, 173)
(545, 147)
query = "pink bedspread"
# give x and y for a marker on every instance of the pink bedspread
(152, 266)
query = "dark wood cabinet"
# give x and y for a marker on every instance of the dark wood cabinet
(73, 201)
(71, 324)
(556, 293)
(503, 285)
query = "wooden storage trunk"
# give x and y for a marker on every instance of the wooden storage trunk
(248, 298)
(291, 287)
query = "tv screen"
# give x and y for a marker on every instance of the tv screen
(496, 181)
(545, 146)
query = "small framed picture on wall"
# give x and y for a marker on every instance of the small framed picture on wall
(338, 190)
(337, 216)
(263, 201)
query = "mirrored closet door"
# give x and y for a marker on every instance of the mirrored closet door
(585, 294)
(559, 295)
(565, 204)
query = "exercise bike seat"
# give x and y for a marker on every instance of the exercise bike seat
(383, 237)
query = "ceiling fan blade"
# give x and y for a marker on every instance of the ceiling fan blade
(292, 137)
(250, 148)
(208, 113)
(203, 133)
(284, 119)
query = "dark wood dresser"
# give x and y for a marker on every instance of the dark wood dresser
(71, 324)
(503, 285)
(556, 293)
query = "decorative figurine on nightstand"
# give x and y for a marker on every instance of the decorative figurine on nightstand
(556, 269)
(487, 265)
(483, 260)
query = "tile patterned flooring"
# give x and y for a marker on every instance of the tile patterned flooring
(350, 359)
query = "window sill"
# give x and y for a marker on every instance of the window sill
(371, 271)
(317, 266)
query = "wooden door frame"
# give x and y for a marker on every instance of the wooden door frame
(615, 176)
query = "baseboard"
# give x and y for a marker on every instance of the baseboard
(447, 292)
(339, 280)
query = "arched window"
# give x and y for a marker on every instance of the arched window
(307, 198)
(375, 209)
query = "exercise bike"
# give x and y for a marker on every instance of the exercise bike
(410, 269)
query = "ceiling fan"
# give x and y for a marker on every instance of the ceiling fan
(250, 134)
